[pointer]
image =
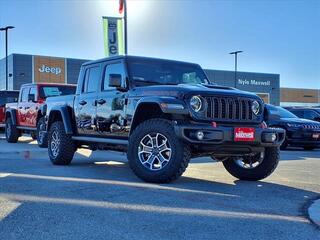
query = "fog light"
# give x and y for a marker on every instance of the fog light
(200, 135)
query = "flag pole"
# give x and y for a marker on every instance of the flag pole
(125, 28)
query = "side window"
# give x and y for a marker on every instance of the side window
(309, 114)
(298, 113)
(33, 91)
(92, 78)
(114, 68)
(24, 95)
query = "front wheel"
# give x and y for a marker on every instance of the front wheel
(254, 168)
(42, 138)
(155, 154)
(61, 147)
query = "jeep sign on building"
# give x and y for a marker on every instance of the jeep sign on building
(49, 69)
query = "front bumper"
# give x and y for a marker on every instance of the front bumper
(304, 137)
(221, 138)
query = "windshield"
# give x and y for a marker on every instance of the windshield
(281, 112)
(165, 72)
(53, 91)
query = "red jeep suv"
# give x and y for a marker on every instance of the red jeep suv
(6, 97)
(26, 115)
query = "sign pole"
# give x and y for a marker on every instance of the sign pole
(125, 28)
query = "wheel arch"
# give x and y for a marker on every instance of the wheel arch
(11, 113)
(156, 107)
(60, 113)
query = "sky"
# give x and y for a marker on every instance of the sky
(277, 36)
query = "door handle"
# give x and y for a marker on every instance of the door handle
(101, 101)
(82, 102)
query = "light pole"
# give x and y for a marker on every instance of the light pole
(6, 32)
(235, 53)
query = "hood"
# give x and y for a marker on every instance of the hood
(181, 90)
(299, 120)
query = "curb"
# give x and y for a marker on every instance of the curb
(314, 212)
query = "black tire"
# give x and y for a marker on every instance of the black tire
(180, 152)
(12, 133)
(308, 148)
(42, 138)
(33, 135)
(65, 148)
(264, 169)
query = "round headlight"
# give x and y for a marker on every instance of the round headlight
(255, 107)
(196, 103)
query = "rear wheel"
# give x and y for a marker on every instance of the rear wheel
(155, 154)
(61, 147)
(41, 134)
(254, 168)
(12, 133)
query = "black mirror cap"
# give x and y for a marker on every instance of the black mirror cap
(31, 98)
(115, 80)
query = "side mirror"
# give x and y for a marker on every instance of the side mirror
(115, 80)
(31, 98)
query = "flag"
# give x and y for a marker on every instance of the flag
(121, 6)
(113, 36)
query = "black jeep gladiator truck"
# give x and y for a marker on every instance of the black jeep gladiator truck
(162, 113)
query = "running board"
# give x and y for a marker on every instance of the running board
(101, 140)
(27, 128)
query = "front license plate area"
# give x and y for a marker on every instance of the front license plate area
(315, 135)
(244, 134)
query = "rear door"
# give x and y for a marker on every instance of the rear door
(32, 109)
(85, 101)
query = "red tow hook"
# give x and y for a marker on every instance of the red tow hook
(263, 125)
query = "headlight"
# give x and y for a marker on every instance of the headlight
(255, 107)
(196, 103)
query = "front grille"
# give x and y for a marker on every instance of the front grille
(228, 108)
(311, 126)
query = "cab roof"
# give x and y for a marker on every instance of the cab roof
(131, 57)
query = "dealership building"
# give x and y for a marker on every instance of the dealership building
(23, 68)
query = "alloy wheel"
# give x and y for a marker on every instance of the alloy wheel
(250, 162)
(154, 151)
(55, 143)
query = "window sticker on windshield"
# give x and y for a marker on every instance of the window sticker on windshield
(51, 91)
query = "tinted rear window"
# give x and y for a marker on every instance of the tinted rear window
(8, 97)
(53, 91)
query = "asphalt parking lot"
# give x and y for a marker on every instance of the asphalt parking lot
(98, 197)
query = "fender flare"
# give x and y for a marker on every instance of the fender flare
(167, 105)
(64, 113)
(13, 116)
